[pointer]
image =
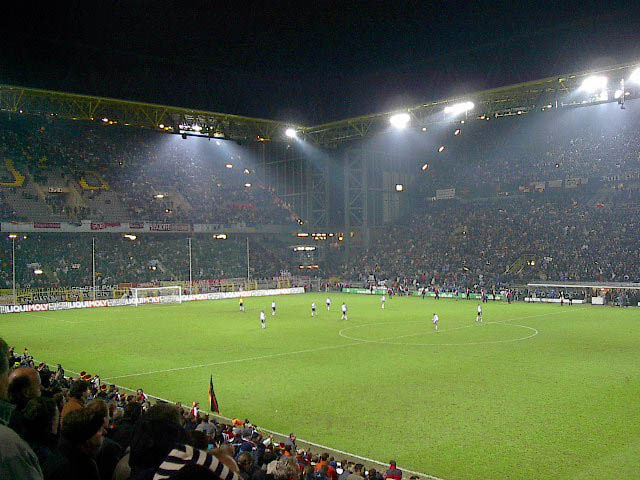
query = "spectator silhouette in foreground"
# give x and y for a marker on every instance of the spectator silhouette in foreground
(81, 441)
(17, 460)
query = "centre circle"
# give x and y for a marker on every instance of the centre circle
(390, 341)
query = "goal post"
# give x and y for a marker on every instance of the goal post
(162, 295)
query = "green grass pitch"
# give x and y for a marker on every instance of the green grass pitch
(538, 391)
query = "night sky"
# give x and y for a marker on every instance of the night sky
(308, 62)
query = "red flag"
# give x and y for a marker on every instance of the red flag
(213, 402)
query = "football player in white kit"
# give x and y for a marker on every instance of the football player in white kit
(344, 311)
(384, 299)
(313, 309)
(435, 321)
(479, 316)
(328, 304)
(263, 319)
(273, 308)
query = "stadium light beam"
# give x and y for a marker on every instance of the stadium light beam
(594, 84)
(459, 108)
(291, 133)
(400, 120)
(635, 76)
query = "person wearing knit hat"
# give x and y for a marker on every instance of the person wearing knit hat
(81, 439)
(83, 425)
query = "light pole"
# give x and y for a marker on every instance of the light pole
(190, 270)
(13, 237)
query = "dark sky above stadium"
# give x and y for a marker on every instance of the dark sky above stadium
(308, 62)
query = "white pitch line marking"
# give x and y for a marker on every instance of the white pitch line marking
(283, 354)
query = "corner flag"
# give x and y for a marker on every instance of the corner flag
(213, 402)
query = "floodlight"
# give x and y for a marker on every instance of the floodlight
(37, 271)
(246, 171)
(291, 133)
(594, 84)
(13, 236)
(635, 76)
(457, 132)
(441, 149)
(220, 236)
(459, 108)
(618, 94)
(247, 185)
(400, 120)
(130, 236)
(159, 196)
(425, 167)
(197, 128)
(424, 129)
(105, 119)
(399, 187)
(228, 165)
(161, 125)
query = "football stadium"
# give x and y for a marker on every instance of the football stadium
(449, 290)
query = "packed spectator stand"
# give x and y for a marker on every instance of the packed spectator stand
(112, 173)
(559, 188)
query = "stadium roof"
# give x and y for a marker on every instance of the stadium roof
(559, 91)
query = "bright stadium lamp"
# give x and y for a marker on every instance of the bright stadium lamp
(635, 76)
(459, 108)
(291, 133)
(594, 84)
(399, 187)
(400, 120)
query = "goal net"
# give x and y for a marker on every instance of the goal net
(153, 295)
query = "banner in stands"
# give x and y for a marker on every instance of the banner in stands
(47, 225)
(446, 194)
(151, 227)
(223, 228)
(104, 226)
(169, 227)
(574, 182)
(550, 300)
(418, 293)
(119, 302)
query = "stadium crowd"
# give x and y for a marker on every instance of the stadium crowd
(136, 165)
(573, 230)
(65, 259)
(504, 153)
(56, 427)
(466, 244)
